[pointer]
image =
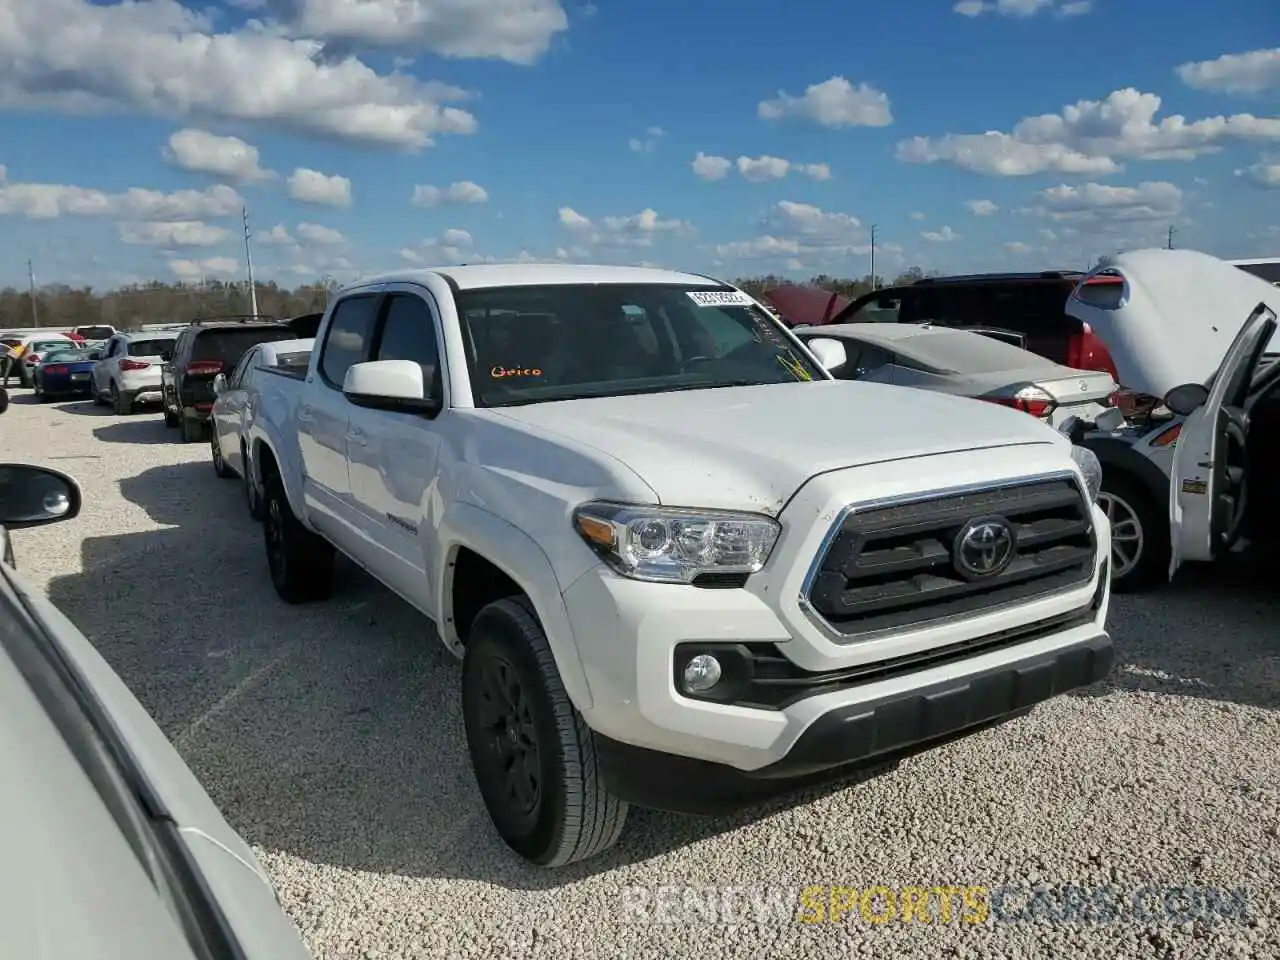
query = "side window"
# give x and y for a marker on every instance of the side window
(869, 359)
(880, 310)
(409, 333)
(237, 375)
(347, 340)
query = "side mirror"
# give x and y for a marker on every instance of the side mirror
(32, 496)
(1187, 398)
(829, 352)
(220, 384)
(390, 385)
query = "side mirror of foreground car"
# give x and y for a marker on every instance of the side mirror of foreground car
(1187, 398)
(32, 496)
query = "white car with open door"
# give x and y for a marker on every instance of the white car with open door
(1193, 339)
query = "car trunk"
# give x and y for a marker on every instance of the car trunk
(216, 351)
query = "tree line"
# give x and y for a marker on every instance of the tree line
(61, 306)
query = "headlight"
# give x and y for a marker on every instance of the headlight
(675, 544)
(1088, 463)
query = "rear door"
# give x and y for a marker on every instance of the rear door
(1207, 481)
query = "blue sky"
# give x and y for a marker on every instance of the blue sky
(765, 138)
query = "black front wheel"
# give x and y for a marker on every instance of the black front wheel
(300, 562)
(532, 753)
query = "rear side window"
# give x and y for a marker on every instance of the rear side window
(149, 348)
(409, 333)
(228, 344)
(95, 333)
(348, 338)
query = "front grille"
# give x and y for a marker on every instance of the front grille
(895, 565)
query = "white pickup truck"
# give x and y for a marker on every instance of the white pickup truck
(684, 567)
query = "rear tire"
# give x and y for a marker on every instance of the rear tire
(122, 403)
(192, 429)
(300, 562)
(1140, 544)
(532, 753)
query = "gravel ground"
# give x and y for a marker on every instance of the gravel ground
(331, 737)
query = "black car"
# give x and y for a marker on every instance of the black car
(1027, 310)
(201, 351)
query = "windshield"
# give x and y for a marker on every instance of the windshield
(95, 333)
(150, 348)
(956, 352)
(65, 355)
(565, 342)
(43, 346)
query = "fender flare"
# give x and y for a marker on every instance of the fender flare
(292, 488)
(1118, 455)
(517, 555)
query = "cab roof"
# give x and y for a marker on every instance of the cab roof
(488, 275)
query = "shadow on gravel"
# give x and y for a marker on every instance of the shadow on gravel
(1211, 634)
(136, 430)
(84, 408)
(333, 732)
(28, 397)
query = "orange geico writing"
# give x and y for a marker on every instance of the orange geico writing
(499, 372)
(890, 904)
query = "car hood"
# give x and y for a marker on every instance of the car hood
(1173, 319)
(752, 448)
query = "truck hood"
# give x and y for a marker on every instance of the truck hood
(1173, 318)
(752, 448)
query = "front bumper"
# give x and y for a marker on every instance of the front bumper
(853, 702)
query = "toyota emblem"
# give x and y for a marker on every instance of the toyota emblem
(983, 548)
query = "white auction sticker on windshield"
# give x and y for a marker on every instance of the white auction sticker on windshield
(720, 298)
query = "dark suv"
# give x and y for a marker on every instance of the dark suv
(203, 350)
(1025, 309)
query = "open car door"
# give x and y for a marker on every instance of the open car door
(1208, 479)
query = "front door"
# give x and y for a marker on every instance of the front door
(1207, 481)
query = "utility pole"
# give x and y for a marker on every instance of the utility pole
(1172, 231)
(31, 287)
(248, 261)
(874, 285)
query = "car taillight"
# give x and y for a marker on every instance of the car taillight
(57, 368)
(1030, 400)
(134, 365)
(204, 367)
(34, 358)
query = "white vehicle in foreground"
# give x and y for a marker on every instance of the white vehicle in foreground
(241, 396)
(683, 566)
(128, 370)
(1192, 470)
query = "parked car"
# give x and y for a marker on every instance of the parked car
(32, 348)
(965, 364)
(1199, 334)
(93, 333)
(128, 371)
(684, 567)
(798, 304)
(241, 396)
(63, 372)
(1024, 309)
(200, 352)
(110, 833)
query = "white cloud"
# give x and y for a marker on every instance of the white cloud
(1151, 200)
(832, 103)
(518, 31)
(159, 58)
(315, 233)
(462, 191)
(814, 171)
(710, 168)
(277, 236)
(229, 158)
(944, 235)
(452, 246)
(45, 201)
(763, 168)
(1021, 8)
(1251, 72)
(981, 208)
(174, 233)
(312, 186)
(917, 215)
(808, 236)
(189, 270)
(1089, 137)
(1017, 246)
(1264, 174)
(648, 143)
(638, 230)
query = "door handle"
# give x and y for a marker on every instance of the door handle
(357, 436)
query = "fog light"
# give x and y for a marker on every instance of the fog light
(701, 673)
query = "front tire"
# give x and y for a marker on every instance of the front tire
(219, 462)
(252, 494)
(121, 403)
(1140, 545)
(301, 563)
(532, 753)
